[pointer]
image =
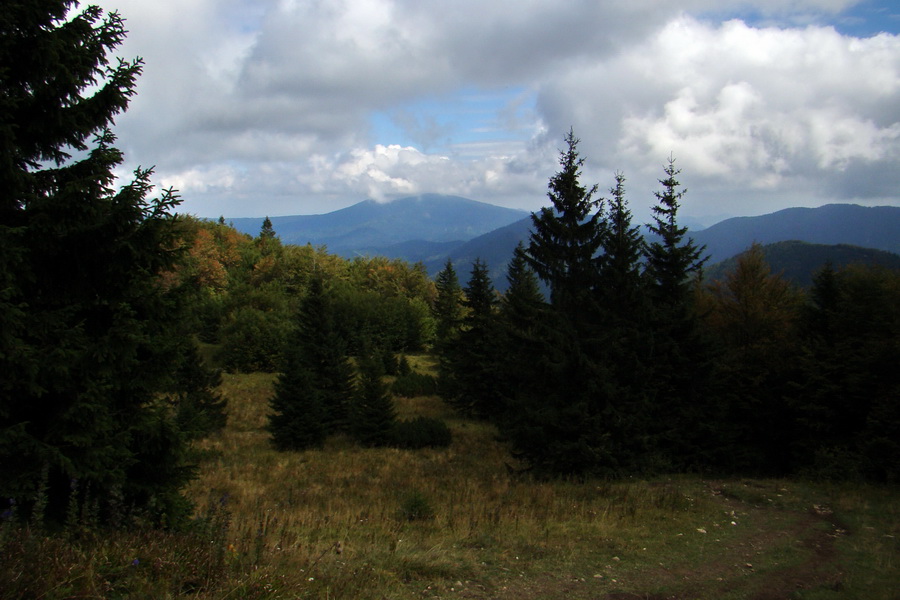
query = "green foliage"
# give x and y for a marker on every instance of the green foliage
(373, 415)
(92, 328)
(370, 318)
(468, 376)
(254, 340)
(421, 432)
(447, 310)
(315, 389)
(567, 235)
(846, 389)
(199, 407)
(754, 317)
(412, 384)
(415, 506)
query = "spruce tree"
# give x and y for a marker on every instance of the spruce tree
(267, 231)
(373, 416)
(567, 236)
(621, 343)
(90, 337)
(555, 421)
(314, 391)
(621, 289)
(521, 312)
(680, 354)
(297, 420)
(671, 258)
(447, 306)
(472, 356)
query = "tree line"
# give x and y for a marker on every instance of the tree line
(635, 364)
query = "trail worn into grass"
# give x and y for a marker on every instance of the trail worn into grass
(778, 552)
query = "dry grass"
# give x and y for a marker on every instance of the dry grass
(355, 523)
(488, 526)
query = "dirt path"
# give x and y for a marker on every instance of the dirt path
(735, 570)
(784, 552)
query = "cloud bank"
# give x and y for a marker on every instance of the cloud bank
(259, 107)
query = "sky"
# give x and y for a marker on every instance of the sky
(255, 108)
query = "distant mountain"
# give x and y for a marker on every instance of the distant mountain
(836, 224)
(432, 228)
(369, 227)
(868, 227)
(494, 248)
(798, 262)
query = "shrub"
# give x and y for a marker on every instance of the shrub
(421, 432)
(414, 384)
(415, 506)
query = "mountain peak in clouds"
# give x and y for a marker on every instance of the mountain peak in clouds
(369, 225)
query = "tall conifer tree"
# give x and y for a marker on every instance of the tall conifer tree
(315, 389)
(472, 356)
(567, 236)
(681, 355)
(447, 306)
(90, 338)
(671, 258)
(372, 416)
(556, 423)
(621, 282)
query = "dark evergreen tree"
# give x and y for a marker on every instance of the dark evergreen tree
(555, 418)
(523, 294)
(373, 415)
(680, 355)
(567, 236)
(621, 292)
(267, 231)
(671, 258)
(90, 337)
(472, 356)
(522, 312)
(448, 304)
(297, 420)
(199, 408)
(314, 391)
(621, 343)
(846, 392)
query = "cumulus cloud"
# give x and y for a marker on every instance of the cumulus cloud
(758, 108)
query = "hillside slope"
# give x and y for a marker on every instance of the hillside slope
(868, 227)
(798, 262)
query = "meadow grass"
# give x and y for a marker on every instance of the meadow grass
(370, 523)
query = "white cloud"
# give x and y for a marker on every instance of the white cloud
(266, 106)
(739, 107)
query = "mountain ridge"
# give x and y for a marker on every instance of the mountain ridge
(432, 228)
(370, 225)
(875, 227)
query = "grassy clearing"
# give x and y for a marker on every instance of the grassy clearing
(350, 522)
